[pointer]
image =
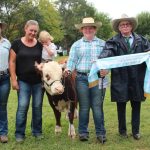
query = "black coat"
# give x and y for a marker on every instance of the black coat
(126, 82)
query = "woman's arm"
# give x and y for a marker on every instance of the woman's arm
(12, 69)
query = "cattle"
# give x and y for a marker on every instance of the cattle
(61, 93)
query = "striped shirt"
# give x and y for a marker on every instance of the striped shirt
(83, 53)
(4, 53)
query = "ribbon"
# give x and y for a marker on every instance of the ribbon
(121, 61)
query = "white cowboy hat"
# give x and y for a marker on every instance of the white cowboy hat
(2, 25)
(88, 22)
(124, 17)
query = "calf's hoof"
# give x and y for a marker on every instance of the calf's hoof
(71, 132)
(58, 129)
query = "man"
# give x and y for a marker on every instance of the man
(127, 82)
(4, 84)
(83, 52)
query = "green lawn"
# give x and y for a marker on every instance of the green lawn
(63, 142)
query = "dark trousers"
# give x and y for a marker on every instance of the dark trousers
(135, 118)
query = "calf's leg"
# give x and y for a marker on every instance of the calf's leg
(71, 130)
(56, 113)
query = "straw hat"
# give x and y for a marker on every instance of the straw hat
(124, 17)
(88, 22)
(2, 25)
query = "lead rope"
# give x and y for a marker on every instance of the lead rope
(102, 88)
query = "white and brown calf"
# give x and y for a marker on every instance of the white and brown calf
(61, 93)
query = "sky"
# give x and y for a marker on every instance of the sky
(114, 8)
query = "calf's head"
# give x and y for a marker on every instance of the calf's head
(51, 74)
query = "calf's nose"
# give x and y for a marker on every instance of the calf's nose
(59, 89)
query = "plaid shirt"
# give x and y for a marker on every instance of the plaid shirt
(83, 53)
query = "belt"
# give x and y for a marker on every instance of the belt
(4, 72)
(83, 73)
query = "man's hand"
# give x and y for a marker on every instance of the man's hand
(67, 72)
(103, 73)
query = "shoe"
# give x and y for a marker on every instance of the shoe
(124, 135)
(83, 137)
(3, 139)
(102, 139)
(136, 136)
(19, 140)
(39, 137)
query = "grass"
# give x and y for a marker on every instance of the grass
(63, 142)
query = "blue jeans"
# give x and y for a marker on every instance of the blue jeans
(89, 98)
(4, 93)
(24, 94)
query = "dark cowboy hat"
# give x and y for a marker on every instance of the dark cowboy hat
(124, 17)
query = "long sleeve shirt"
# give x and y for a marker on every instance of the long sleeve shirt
(83, 53)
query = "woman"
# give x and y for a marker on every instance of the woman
(23, 54)
(4, 84)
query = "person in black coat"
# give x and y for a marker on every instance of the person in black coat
(126, 82)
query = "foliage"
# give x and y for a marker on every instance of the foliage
(16, 12)
(57, 18)
(72, 12)
(50, 20)
(105, 32)
(144, 24)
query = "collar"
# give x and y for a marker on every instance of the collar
(130, 36)
(85, 40)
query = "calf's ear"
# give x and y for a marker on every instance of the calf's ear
(39, 67)
(63, 66)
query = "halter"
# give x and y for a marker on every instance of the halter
(49, 85)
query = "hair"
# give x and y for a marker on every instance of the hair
(44, 35)
(31, 22)
(1, 25)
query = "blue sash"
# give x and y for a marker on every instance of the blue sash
(121, 61)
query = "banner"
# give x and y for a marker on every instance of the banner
(121, 61)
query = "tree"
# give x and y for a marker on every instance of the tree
(71, 12)
(105, 32)
(51, 20)
(16, 12)
(144, 24)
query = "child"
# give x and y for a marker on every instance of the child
(49, 48)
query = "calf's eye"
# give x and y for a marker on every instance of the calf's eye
(47, 76)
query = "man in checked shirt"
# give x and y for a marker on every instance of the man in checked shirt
(82, 54)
